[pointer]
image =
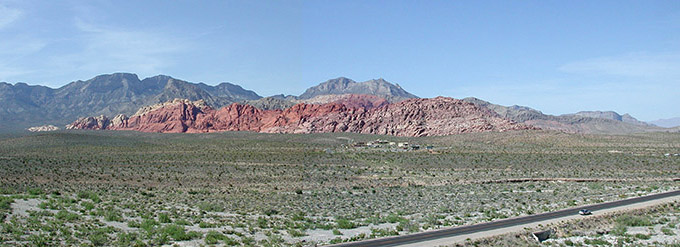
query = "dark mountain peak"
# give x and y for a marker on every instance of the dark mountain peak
(612, 115)
(379, 80)
(102, 84)
(341, 79)
(116, 77)
(161, 76)
(231, 91)
(283, 96)
(337, 83)
(342, 85)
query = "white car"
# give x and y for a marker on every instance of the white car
(584, 212)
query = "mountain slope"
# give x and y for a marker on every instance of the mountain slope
(583, 122)
(667, 123)
(227, 90)
(111, 94)
(342, 85)
(611, 115)
(414, 117)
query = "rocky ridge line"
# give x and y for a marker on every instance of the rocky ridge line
(413, 117)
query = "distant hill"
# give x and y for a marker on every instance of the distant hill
(667, 123)
(599, 122)
(626, 118)
(342, 85)
(111, 94)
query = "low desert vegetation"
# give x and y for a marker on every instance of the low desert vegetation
(653, 226)
(249, 189)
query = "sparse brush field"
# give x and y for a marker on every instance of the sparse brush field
(653, 226)
(236, 188)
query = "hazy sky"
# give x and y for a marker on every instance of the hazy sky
(555, 56)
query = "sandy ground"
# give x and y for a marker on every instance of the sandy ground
(21, 207)
(491, 233)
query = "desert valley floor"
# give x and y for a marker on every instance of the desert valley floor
(238, 188)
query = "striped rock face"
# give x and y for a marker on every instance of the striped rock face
(413, 117)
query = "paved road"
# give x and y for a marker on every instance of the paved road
(461, 230)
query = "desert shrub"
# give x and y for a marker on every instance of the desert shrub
(133, 224)
(183, 222)
(631, 220)
(210, 207)
(7, 191)
(34, 191)
(148, 225)
(178, 233)
(87, 205)
(380, 232)
(99, 238)
(164, 218)
(596, 242)
(296, 233)
(89, 195)
(5, 203)
(642, 236)
(619, 230)
(67, 216)
(408, 226)
(345, 223)
(213, 237)
(39, 240)
(113, 215)
(394, 218)
(298, 216)
(270, 212)
(204, 224)
(336, 240)
(128, 239)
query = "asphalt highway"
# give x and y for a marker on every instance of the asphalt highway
(461, 230)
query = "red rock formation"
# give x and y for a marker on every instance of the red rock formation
(414, 117)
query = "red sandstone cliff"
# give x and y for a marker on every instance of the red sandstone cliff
(413, 117)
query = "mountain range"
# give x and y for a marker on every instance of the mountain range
(119, 93)
(600, 122)
(125, 93)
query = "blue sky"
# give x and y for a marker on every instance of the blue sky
(555, 56)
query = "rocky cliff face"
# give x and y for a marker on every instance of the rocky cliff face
(415, 117)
